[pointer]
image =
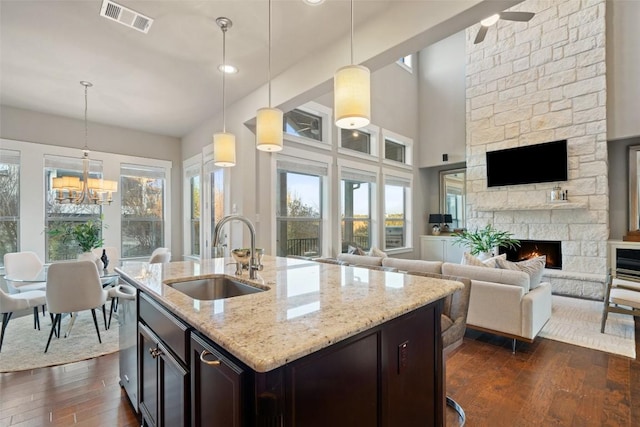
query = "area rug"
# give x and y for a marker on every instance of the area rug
(577, 321)
(23, 346)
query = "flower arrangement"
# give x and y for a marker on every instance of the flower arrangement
(484, 240)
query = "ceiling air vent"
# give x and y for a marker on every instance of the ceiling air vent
(125, 16)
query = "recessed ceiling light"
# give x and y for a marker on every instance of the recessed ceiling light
(229, 69)
(313, 2)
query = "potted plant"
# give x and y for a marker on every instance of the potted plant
(85, 234)
(483, 241)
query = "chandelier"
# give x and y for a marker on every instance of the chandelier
(71, 189)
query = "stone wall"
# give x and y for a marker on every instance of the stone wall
(535, 82)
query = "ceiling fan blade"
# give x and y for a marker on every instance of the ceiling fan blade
(482, 32)
(517, 16)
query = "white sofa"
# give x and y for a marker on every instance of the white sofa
(502, 302)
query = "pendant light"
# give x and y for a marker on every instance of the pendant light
(224, 143)
(352, 93)
(71, 189)
(269, 120)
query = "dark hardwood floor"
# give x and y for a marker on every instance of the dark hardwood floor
(546, 383)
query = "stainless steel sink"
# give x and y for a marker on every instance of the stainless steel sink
(214, 287)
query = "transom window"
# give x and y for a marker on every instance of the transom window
(301, 123)
(356, 139)
(394, 151)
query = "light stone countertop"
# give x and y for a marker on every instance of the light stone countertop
(308, 305)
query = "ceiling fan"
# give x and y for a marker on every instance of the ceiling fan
(507, 16)
(313, 127)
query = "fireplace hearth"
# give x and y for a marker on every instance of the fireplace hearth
(533, 248)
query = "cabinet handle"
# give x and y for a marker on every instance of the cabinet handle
(155, 352)
(208, 362)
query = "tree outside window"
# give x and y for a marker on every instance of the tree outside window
(356, 214)
(142, 223)
(299, 216)
(9, 202)
(195, 214)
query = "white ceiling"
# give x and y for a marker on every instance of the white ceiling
(166, 81)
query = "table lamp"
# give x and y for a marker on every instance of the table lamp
(447, 218)
(436, 220)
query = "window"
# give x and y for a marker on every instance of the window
(356, 208)
(304, 124)
(398, 149)
(396, 198)
(9, 202)
(356, 139)
(406, 62)
(142, 205)
(217, 196)
(452, 191)
(60, 213)
(394, 151)
(194, 222)
(299, 218)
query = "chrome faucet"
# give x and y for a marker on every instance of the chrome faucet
(253, 263)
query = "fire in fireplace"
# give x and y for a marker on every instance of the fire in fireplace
(533, 248)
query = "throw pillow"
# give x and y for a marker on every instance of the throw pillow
(468, 259)
(374, 251)
(534, 267)
(354, 250)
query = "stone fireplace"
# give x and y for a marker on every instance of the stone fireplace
(552, 249)
(537, 82)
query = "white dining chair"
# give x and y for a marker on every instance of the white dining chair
(160, 256)
(23, 265)
(11, 303)
(73, 287)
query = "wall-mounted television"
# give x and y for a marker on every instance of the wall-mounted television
(536, 163)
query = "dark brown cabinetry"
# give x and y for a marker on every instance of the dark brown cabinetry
(390, 375)
(218, 387)
(163, 373)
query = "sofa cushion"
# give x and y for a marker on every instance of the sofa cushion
(495, 275)
(534, 267)
(413, 265)
(355, 250)
(359, 259)
(468, 259)
(374, 251)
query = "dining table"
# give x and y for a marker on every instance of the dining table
(108, 277)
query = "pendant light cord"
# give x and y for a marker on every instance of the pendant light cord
(224, 72)
(269, 67)
(86, 132)
(352, 63)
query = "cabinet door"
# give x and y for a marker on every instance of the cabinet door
(336, 387)
(453, 253)
(148, 381)
(173, 389)
(216, 387)
(431, 249)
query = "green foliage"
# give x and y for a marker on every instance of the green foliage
(485, 239)
(86, 234)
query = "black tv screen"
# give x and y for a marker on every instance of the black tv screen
(545, 162)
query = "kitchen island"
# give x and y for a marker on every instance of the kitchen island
(321, 345)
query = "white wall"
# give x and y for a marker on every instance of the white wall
(442, 102)
(623, 69)
(29, 126)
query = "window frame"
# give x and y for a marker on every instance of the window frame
(398, 139)
(407, 179)
(373, 155)
(12, 157)
(326, 115)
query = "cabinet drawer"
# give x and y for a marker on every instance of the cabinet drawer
(171, 330)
